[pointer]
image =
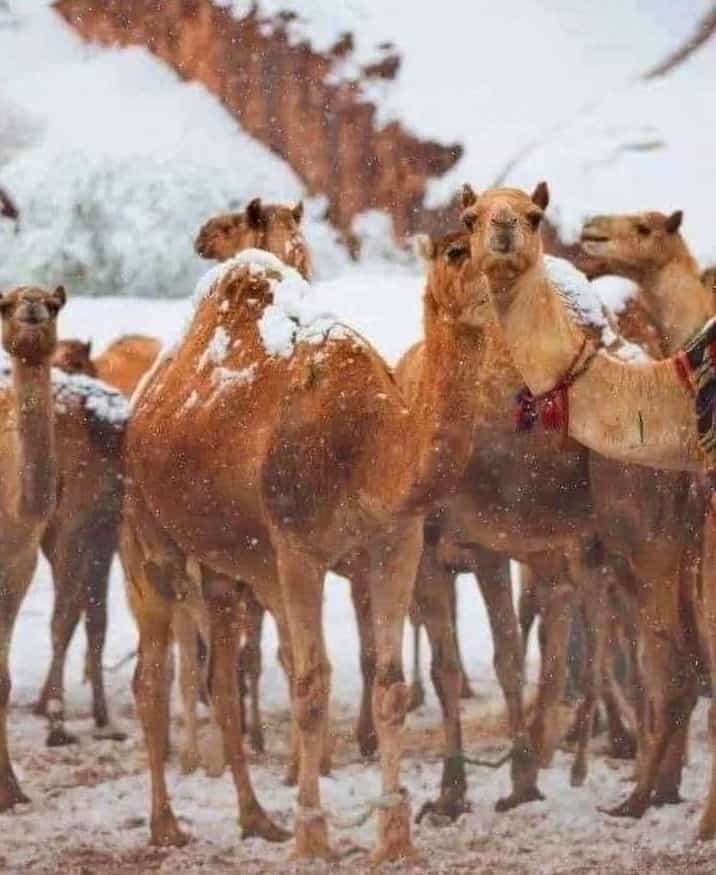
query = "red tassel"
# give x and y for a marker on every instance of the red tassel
(551, 413)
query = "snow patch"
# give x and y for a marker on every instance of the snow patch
(103, 401)
(575, 289)
(615, 292)
(217, 348)
(223, 377)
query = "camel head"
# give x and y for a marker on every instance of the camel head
(504, 227)
(455, 285)
(272, 227)
(74, 357)
(29, 322)
(632, 245)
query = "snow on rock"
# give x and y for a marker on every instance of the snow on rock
(113, 187)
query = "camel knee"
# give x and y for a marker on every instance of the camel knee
(391, 696)
(311, 699)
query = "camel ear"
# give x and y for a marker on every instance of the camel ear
(424, 247)
(254, 213)
(540, 195)
(87, 347)
(673, 223)
(4, 304)
(298, 212)
(467, 196)
(60, 297)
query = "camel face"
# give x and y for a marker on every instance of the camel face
(633, 244)
(273, 227)
(29, 322)
(504, 226)
(455, 283)
(74, 357)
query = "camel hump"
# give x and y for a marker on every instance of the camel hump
(103, 410)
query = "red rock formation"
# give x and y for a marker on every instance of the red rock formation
(279, 93)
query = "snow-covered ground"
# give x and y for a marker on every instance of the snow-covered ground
(89, 809)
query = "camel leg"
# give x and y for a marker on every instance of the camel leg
(100, 548)
(224, 635)
(707, 826)
(185, 633)
(527, 605)
(558, 598)
(668, 783)
(594, 601)
(365, 730)
(622, 740)
(664, 667)
(465, 688)
(69, 573)
(392, 580)
(151, 692)
(14, 582)
(251, 663)
(493, 577)
(433, 599)
(302, 587)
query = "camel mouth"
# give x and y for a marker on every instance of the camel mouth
(593, 237)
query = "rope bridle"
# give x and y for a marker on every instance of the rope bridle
(552, 407)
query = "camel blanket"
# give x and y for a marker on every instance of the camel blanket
(696, 365)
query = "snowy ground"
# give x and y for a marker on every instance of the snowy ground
(89, 809)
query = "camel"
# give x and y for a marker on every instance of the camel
(334, 472)
(708, 279)
(634, 413)
(272, 227)
(122, 364)
(28, 478)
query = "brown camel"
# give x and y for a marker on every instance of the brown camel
(28, 481)
(634, 413)
(272, 227)
(333, 473)
(122, 364)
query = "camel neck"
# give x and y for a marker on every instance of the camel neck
(633, 413)
(678, 301)
(440, 424)
(35, 429)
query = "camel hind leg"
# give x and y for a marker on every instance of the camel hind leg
(250, 659)
(360, 595)
(185, 635)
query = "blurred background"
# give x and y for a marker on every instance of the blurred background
(124, 124)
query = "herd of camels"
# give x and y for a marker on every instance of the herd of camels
(271, 444)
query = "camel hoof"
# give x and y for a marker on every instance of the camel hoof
(634, 808)
(417, 696)
(446, 809)
(578, 775)
(166, 834)
(666, 797)
(60, 737)
(312, 840)
(11, 794)
(393, 830)
(367, 743)
(256, 823)
(531, 794)
(188, 761)
(623, 747)
(109, 732)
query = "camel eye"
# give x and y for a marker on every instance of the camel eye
(534, 218)
(643, 230)
(456, 253)
(470, 220)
